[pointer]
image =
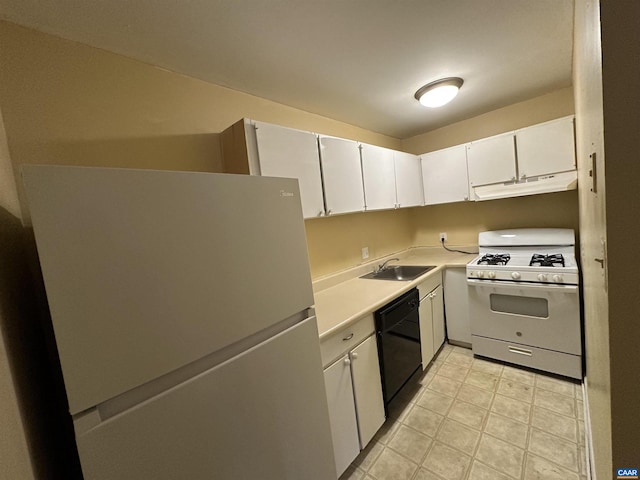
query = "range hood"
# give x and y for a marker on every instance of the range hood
(557, 182)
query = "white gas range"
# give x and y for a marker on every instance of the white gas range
(524, 302)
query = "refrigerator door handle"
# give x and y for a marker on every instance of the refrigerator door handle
(135, 396)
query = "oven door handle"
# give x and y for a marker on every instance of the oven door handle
(545, 287)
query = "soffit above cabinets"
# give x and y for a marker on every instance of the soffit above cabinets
(357, 61)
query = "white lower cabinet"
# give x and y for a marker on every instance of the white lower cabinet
(354, 390)
(342, 413)
(367, 389)
(431, 312)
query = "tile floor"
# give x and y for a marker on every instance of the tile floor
(467, 418)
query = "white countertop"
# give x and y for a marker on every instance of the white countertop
(343, 298)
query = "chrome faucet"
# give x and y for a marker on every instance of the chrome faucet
(383, 266)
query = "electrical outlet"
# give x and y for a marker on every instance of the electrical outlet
(365, 253)
(443, 236)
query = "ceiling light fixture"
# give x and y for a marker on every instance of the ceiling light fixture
(440, 92)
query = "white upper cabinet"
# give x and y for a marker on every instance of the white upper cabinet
(285, 152)
(408, 175)
(342, 175)
(378, 177)
(546, 148)
(492, 160)
(444, 175)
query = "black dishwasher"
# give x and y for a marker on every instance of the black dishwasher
(398, 334)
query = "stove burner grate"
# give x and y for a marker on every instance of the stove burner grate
(494, 259)
(540, 260)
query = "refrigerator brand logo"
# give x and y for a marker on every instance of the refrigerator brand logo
(627, 473)
(286, 194)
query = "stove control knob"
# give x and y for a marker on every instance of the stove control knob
(542, 277)
(557, 278)
(515, 275)
(480, 274)
(491, 274)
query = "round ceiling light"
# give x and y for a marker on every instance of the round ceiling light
(440, 92)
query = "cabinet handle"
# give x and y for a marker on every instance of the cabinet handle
(520, 351)
(348, 337)
(320, 213)
(329, 212)
(354, 355)
(347, 361)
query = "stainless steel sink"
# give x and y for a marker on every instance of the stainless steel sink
(399, 272)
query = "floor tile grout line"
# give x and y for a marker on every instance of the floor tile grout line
(516, 446)
(556, 464)
(482, 431)
(442, 423)
(420, 392)
(486, 421)
(554, 461)
(572, 417)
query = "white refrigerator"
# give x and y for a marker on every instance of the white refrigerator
(182, 312)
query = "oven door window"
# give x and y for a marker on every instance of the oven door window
(517, 305)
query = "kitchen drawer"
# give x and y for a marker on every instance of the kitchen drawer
(345, 339)
(539, 358)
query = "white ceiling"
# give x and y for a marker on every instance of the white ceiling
(358, 61)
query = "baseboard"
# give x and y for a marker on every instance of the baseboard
(459, 343)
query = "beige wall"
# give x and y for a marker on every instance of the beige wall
(540, 109)
(463, 221)
(67, 103)
(335, 243)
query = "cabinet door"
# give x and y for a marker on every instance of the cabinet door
(492, 160)
(342, 413)
(426, 331)
(546, 148)
(379, 177)
(437, 309)
(408, 180)
(456, 300)
(342, 175)
(367, 389)
(444, 176)
(284, 152)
